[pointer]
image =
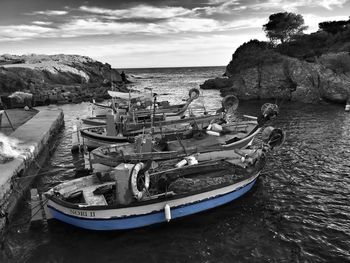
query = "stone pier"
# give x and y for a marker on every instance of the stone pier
(37, 135)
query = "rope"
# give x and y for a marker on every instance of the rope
(42, 203)
(183, 147)
(37, 164)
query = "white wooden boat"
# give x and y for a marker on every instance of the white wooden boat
(176, 145)
(141, 111)
(97, 136)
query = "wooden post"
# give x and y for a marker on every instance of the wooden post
(1, 112)
(4, 111)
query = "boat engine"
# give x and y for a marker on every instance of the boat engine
(273, 137)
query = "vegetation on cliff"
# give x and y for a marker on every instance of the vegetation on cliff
(284, 26)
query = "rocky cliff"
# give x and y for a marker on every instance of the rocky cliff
(260, 71)
(52, 74)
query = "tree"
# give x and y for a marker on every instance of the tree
(283, 26)
(334, 27)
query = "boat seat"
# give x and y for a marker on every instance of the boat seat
(93, 199)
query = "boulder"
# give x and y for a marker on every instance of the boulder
(217, 83)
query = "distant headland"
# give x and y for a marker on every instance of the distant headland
(57, 78)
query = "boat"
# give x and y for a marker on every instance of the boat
(173, 145)
(139, 107)
(160, 145)
(239, 130)
(141, 118)
(144, 194)
(96, 136)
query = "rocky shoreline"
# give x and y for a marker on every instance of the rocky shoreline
(56, 79)
(257, 71)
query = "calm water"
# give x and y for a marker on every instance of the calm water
(299, 210)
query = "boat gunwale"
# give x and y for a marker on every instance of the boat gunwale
(100, 121)
(88, 134)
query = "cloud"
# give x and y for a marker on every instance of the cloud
(50, 13)
(21, 32)
(222, 6)
(174, 21)
(93, 26)
(42, 23)
(139, 11)
(330, 3)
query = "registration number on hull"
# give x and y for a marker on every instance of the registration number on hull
(82, 213)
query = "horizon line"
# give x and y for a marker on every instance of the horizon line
(171, 67)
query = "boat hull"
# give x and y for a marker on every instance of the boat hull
(150, 214)
(93, 140)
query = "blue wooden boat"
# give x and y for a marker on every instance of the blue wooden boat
(138, 195)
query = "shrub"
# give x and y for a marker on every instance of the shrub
(252, 54)
(338, 62)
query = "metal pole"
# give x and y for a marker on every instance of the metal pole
(154, 113)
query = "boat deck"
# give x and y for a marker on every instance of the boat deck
(93, 199)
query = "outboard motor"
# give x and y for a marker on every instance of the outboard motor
(193, 94)
(230, 102)
(269, 112)
(229, 106)
(273, 137)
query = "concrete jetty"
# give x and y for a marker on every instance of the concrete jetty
(37, 137)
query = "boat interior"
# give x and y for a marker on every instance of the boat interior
(165, 182)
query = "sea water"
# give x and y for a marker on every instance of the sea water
(299, 210)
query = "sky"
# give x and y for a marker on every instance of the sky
(154, 33)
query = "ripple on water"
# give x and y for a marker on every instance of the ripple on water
(299, 210)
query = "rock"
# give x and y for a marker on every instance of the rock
(57, 77)
(269, 82)
(257, 71)
(217, 83)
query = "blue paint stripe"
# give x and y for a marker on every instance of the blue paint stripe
(150, 219)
